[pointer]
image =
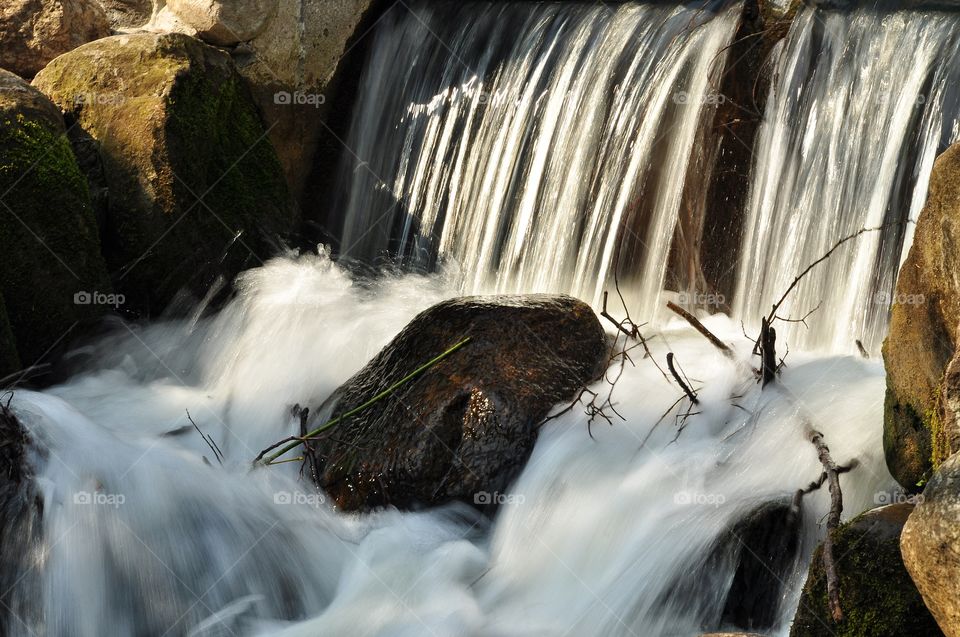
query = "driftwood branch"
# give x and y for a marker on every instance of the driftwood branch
(686, 389)
(832, 473)
(700, 327)
(768, 352)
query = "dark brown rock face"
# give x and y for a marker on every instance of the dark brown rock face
(466, 426)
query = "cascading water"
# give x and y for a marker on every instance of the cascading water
(141, 536)
(861, 105)
(612, 530)
(520, 144)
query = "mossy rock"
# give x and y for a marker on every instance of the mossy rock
(877, 596)
(923, 332)
(189, 187)
(48, 236)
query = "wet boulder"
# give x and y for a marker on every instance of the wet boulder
(923, 336)
(750, 561)
(51, 266)
(877, 595)
(462, 429)
(187, 185)
(931, 546)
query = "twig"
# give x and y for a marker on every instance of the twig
(294, 442)
(700, 327)
(832, 472)
(863, 350)
(768, 352)
(207, 439)
(673, 370)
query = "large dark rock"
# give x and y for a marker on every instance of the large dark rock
(21, 510)
(931, 546)
(923, 333)
(877, 596)
(466, 426)
(188, 187)
(752, 559)
(49, 248)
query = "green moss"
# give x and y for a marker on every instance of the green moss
(906, 441)
(47, 236)
(188, 164)
(877, 595)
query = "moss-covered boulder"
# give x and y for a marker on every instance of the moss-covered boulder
(188, 186)
(931, 545)
(877, 596)
(923, 332)
(48, 236)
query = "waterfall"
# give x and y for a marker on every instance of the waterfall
(515, 141)
(500, 147)
(860, 106)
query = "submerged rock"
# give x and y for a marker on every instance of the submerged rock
(923, 333)
(21, 509)
(189, 187)
(33, 32)
(463, 429)
(749, 562)
(51, 263)
(931, 546)
(876, 593)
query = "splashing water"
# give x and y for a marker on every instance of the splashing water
(141, 536)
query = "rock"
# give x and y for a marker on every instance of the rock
(9, 359)
(931, 546)
(876, 593)
(48, 235)
(127, 14)
(750, 560)
(923, 332)
(21, 507)
(464, 428)
(224, 22)
(33, 32)
(188, 186)
(291, 64)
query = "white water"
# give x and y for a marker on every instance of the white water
(525, 142)
(860, 107)
(604, 527)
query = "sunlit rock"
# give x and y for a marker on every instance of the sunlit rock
(188, 185)
(931, 546)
